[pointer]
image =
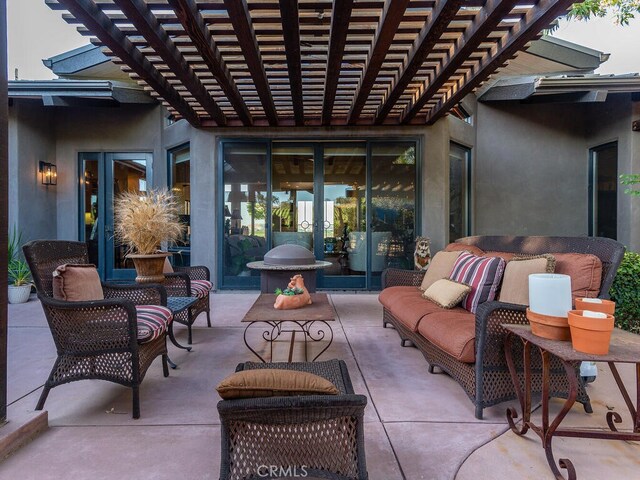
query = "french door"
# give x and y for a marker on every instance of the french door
(103, 176)
(352, 203)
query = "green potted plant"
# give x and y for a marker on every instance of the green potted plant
(18, 270)
(143, 222)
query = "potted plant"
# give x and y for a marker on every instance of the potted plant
(143, 222)
(18, 270)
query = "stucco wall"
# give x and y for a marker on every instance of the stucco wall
(32, 206)
(124, 129)
(531, 168)
(611, 121)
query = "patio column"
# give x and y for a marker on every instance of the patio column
(4, 154)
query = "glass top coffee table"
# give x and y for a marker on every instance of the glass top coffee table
(313, 322)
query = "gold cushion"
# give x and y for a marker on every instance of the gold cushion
(515, 282)
(439, 268)
(446, 293)
(77, 283)
(271, 382)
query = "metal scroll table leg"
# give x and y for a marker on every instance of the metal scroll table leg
(174, 341)
(547, 431)
(318, 336)
(524, 397)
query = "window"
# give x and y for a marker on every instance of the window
(180, 185)
(603, 191)
(459, 194)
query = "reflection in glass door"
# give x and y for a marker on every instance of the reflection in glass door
(393, 200)
(344, 221)
(103, 177)
(293, 216)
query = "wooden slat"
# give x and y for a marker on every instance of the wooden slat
(339, 27)
(100, 26)
(241, 21)
(439, 19)
(146, 23)
(484, 23)
(536, 19)
(193, 23)
(391, 17)
(291, 34)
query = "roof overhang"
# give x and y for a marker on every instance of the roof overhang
(66, 93)
(565, 89)
(289, 62)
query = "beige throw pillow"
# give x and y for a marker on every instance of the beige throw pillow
(446, 293)
(167, 267)
(515, 282)
(77, 283)
(271, 382)
(439, 268)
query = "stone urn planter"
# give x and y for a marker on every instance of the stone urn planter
(19, 293)
(149, 268)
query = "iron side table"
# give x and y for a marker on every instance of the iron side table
(624, 348)
(179, 306)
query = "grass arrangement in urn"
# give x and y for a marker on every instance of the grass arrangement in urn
(142, 223)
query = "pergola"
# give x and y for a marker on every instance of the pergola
(310, 62)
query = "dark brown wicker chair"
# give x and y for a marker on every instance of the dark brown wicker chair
(487, 381)
(324, 434)
(181, 284)
(97, 339)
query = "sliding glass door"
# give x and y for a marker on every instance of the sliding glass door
(352, 203)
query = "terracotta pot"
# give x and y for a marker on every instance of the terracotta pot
(590, 335)
(149, 267)
(546, 326)
(607, 306)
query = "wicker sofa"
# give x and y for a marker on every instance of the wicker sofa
(483, 374)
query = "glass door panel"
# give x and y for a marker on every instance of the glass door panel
(344, 225)
(393, 199)
(292, 195)
(244, 203)
(91, 229)
(125, 173)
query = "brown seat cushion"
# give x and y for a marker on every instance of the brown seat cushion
(453, 331)
(585, 271)
(439, 268)
(407, 305)
(459, 247)
(271, 382)
(77, 283)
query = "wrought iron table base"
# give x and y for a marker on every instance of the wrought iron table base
(547, 430)
(178, 306)
(276, 329)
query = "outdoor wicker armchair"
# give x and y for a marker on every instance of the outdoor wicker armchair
(190, 282)
(97, 339)
(320, 436)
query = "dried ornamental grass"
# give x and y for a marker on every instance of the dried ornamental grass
(144, 221)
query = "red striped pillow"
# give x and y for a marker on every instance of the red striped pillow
(483, 274)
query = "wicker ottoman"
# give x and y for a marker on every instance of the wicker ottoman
(313, 435)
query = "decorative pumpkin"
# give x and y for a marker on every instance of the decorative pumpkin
(295, 296)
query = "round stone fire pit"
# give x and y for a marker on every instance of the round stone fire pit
(283, 262)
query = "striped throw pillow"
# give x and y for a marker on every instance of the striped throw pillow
(482, 274)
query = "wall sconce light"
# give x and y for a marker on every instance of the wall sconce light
(49, 173)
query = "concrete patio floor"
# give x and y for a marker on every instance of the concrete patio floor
(417, 425)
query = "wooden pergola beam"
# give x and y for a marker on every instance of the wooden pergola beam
(535, 20)
(337, 40)
(441, 16)
(391, 17)
(482, 25)
(291, 34)
(146, 23)
(191, 19)
(241, 21)
(92, 17)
